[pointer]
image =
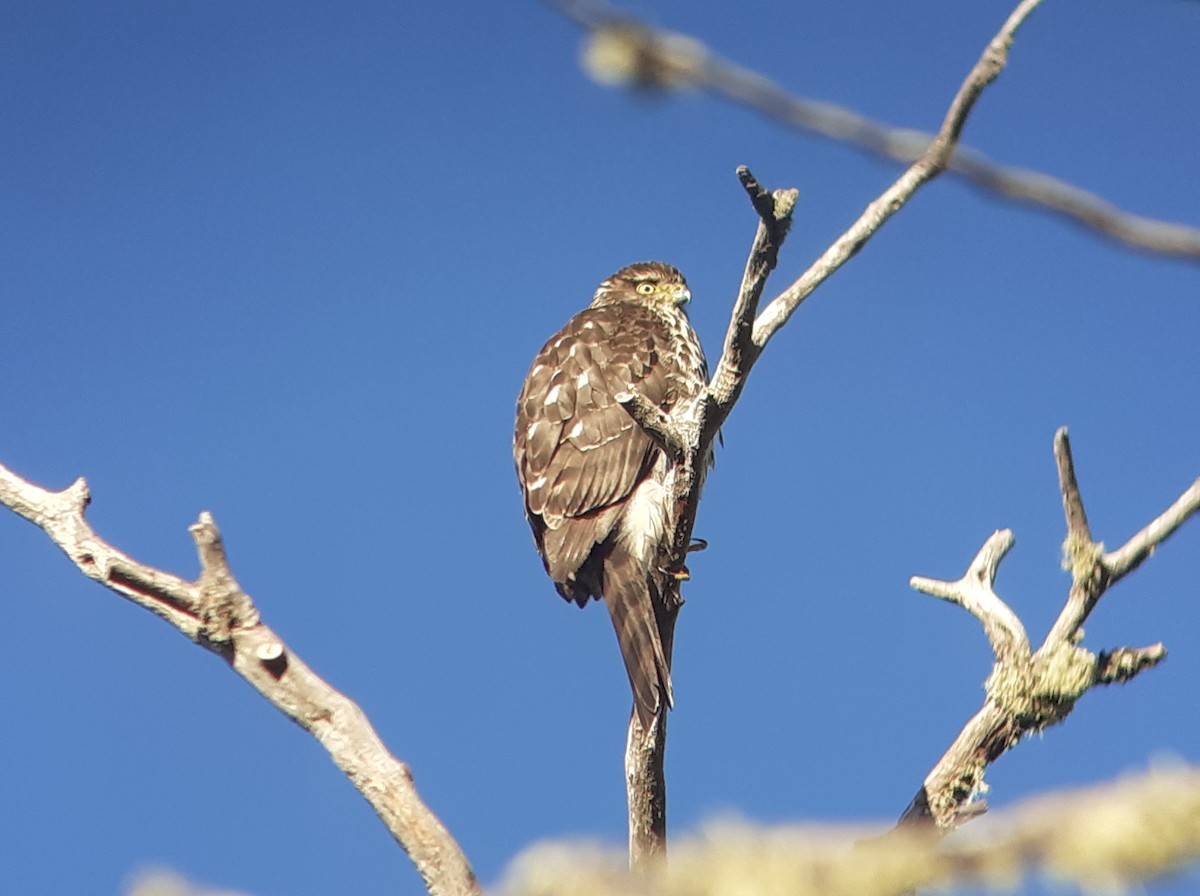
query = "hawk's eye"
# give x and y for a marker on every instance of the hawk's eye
(645, 288)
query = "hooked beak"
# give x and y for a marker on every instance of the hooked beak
(683, 295)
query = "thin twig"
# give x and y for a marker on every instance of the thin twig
(215, 613)
(625, 51)
(931, 163)
(739, 354)
(1142, 546)
(1077, 521)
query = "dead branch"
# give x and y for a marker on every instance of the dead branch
(215, 613)
(624, 51)
(689, 432)
(932, 162)
(1027, 691)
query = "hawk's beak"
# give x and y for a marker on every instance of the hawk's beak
(683, 295)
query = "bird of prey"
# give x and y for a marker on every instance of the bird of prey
(599, 491)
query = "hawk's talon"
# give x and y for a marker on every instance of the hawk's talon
(698, 544)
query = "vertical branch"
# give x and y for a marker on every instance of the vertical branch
(1083, 557)
(687, 435)
(645, 774)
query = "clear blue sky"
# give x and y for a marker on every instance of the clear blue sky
(290, 263)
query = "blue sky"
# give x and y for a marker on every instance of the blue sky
(290, 263)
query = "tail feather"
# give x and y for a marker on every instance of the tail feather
(628, 595)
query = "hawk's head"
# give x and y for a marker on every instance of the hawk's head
(648, 283)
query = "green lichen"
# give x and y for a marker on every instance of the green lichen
(1043, 691)
(1081, 557)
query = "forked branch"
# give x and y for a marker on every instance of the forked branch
(214, 612)
(1030, 691)
(688, 432)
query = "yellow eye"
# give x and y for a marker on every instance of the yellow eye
(645, 288)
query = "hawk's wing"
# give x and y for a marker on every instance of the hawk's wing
(579, 454)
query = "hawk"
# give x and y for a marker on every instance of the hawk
(599, 491)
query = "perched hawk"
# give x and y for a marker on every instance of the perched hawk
(598, 490)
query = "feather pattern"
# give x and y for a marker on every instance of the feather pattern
(597, 488)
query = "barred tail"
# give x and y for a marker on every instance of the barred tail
(627, 593)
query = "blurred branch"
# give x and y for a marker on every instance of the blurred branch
(215, 613)
(624, 51)
(1027, 691)
(168, 883)
(1106, 839)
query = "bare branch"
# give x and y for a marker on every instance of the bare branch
(1077, 522)
(624, 51)
(669, 432)
(646, 790)
(1119, 666)
(975, 592)
(1092, 570)
(931, 163)
(217, 614)
(1028, 693)
(1134, 552)
(739, 354)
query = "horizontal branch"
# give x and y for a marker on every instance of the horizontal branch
(217, 614)
(1068, 835)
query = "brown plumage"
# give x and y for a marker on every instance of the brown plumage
(598, 490)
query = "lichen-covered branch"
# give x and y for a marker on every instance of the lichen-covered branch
(624, 51)
(215, 613)
(1030, 691)
(1106, 839)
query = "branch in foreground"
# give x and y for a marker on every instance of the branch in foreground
(624, 51)
(1027, 691)
(1106, 839)
(216, 614)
